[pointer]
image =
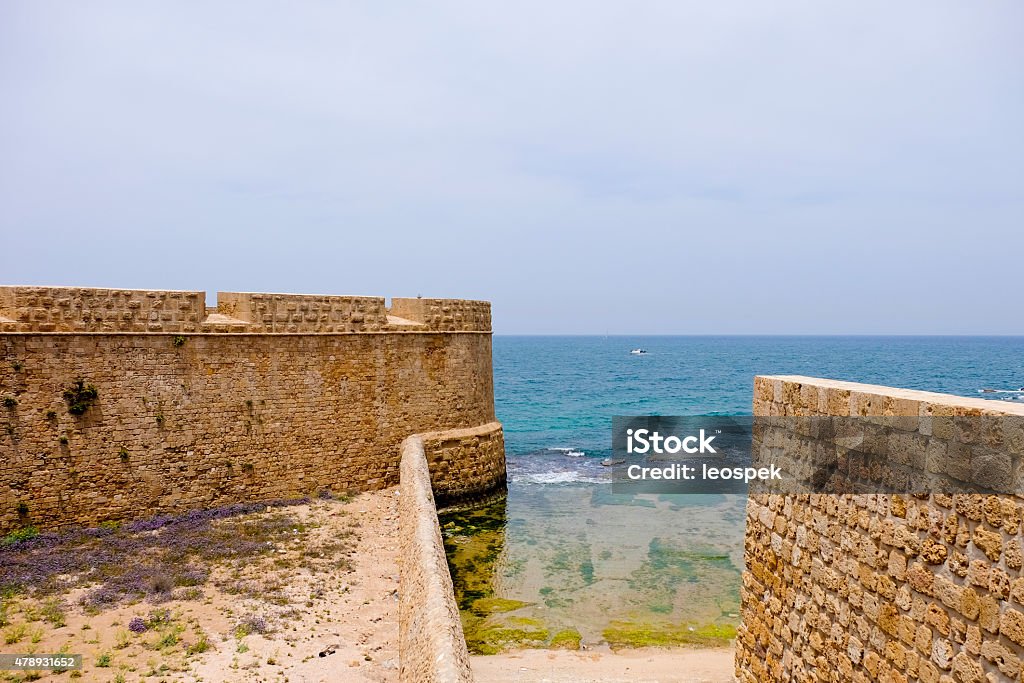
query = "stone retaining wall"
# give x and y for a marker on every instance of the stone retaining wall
(869, 587)
(431, 644)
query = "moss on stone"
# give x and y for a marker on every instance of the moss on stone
(622, 634)
(567, 639)
(485, 637)
(486, 606)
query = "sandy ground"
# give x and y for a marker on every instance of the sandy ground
(352, 609)
(648, 665)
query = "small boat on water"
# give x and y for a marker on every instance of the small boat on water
(638, 352)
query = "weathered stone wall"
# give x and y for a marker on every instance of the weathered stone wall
(465, 464)
(444, 314)
(84, 309)
(431, 645)
(80, 309)
(303, 313)
(191, 420)
(886, 587)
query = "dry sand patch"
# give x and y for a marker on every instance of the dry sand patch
(271, 589)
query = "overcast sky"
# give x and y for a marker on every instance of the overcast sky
(589, 167)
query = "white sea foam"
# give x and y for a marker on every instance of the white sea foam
(568, 451)
(557, 478)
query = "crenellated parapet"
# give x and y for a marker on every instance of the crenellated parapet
(295, 313)
(446, 315)
(83, 309)
(87, 309)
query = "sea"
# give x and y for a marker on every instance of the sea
(562, 558)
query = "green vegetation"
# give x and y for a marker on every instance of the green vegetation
(200, 646)
(473, 540)
(79, 396)
(53, 612)
(10, 402)
(489, 639)
(15, 634)
(20, 535)
(568, 639)
(621, 634)
(486, 606)
(178, 341)
(103, 661)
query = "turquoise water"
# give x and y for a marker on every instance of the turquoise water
(571, 555)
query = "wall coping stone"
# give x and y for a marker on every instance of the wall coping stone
(989, 407)
(431, 644)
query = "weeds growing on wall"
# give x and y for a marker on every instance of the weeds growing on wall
(79, 396)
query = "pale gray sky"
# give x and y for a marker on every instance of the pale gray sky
(590, 167)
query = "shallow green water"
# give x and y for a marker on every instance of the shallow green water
(550, 562)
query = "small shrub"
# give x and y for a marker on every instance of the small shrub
(103, 661)
(178, 341)
(138, 625)
(251, 624)
(79, 396)
(63, 440)
(15, 634)
(16, 365)
(161, 583)
(200, 646)
(20, 535)
(10, 402)
(53, 612)
(158, 617)
(124, 639)
(191, 593)
(169, 639)
(22, 508)
(51, 415)
(123, 454)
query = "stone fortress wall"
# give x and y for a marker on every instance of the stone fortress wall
(265, 396)
(81, 309)
(925, 587)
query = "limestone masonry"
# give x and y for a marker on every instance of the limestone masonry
(872, 587)
(266, 396)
